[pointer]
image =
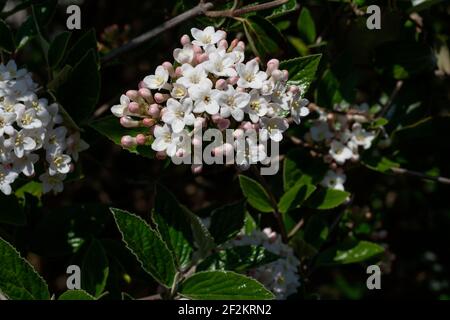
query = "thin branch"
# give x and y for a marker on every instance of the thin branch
(239, 12)
(402, 171)
(394, 94)
(201, 8)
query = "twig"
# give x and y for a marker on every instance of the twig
(201, 8)
(394, 93)
(402, 171)
(297, 227)
(276, 212)
(239, 12)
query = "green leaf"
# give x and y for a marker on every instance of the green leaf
(264, 38)
(423, 5)
(147, 246)
(173, 224)
(239, 259)
(325, 198)
(306, 26)
(85, 43)
(380, 164)
(249, 224)
(285, 8)
(95, 269)
(111, 128)
(76, 295)
(316, 231)
(44, 11)
(27, 31)
(223, 285)
(11, 211)
(295, 196)
(227, 221)
(302, 70)
(255, 194)
(58, 48)
(202, 237)
(18, 279)
(349, 252)
(6, 37)
(79, 94)
(33, 188)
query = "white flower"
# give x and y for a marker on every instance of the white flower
(207, 37)
(7, 177)
(75, 145)
(178, 114)
(5, 152)
(178, 91)
(320, 131)
(6, 121)
(59, 163)
(257, 106)
(232, 103)
(361, 137)
(334, 180)
(25, 164)
(20, 143)
(40, 108)
(298, 108)
(221, 65)
(193, 76)
(273, 128)
(279, 95)
(55, 140)
(340, 152)
(205, 99)
(26, 118)
(165, 140)
(184, 55)
(121, 109)
(249, 152)
(250, 76)
(158, 80)
(52, 183)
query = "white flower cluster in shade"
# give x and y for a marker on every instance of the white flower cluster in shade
(210, 86)
(343, 136)
(280, 276)
(31, 129)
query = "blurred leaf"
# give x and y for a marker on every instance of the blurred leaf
(18, 279)
(223, 285)
(302, 70)
(6, 37)
(76, 295)
(349, 252)
(79, 94)
(263, 37)
(33, 188)
(174, 226)
(202, 237)
(11, 211)
(239, 259)
(285, 8)
(295, 196)
(58, 48)
(147, 245)
(255, 194)
(111, 128)
(44, 11)
(316, 231)
(249, 224)
(85, 43)
(95, 269)
(306, 26)
(324, 199)
(423, 5)
(26, 32)
(227, 221)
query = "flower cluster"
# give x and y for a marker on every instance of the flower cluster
(343, 135)
(210, 86)
(280, 276)
(30, 128)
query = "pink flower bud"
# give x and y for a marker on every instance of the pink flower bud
(185, 39)
(128, 122)
(223, 44)
(277, 75)
(197, 49)
(216, 118)
(128, 141)
(246, 125)
(180, 153)
(201, 57)
(153, 110)
(285, 75)
(146, 95)
(141, 139)
(241, 44)
(148, 122)
(132, 94)
(169, 67)
(161, 155)
(233, 44)
(221, 84)
(160, 97)
(178, 72)
(142, 85)
(272, 65)
(238, 133)
(134, 107)
(200, 122)
(197, 168)
(233, 80)
(223, 124)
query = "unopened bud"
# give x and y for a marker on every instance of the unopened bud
(141, 139)
(146, 95)
(185, 39)
(161, 97)
(197, 168)
(128, 142)
(221, 84)
(134, 107)
(128, 122)
(153, 110)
